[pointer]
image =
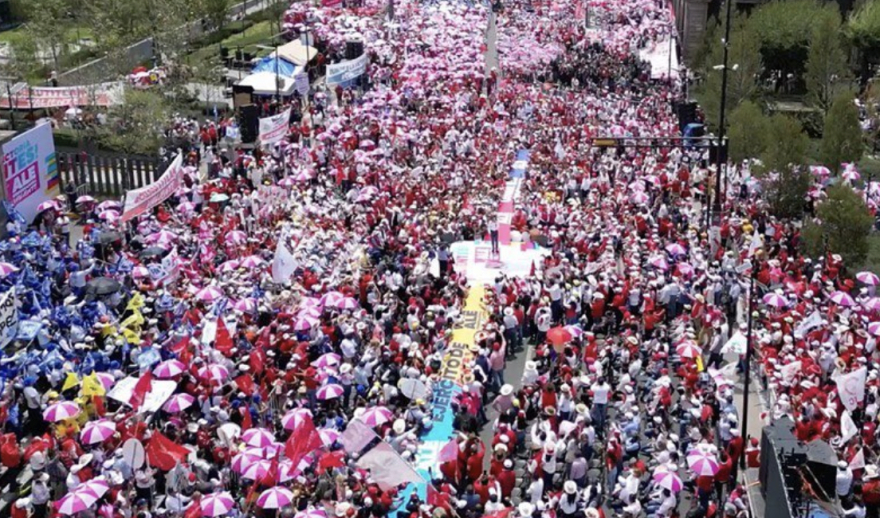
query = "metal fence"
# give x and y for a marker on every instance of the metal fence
(107, 175)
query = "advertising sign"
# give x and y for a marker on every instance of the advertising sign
(30, 173)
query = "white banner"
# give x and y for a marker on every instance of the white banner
(160, 391)
(8, 318)
(30, 172)
(851, 388)
(346, 71)
(273, 129)
(789, 371)
(101, 94)
(139, 201)
(808, 324)
(848, 428)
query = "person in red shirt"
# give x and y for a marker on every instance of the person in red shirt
(753, 454)
(507, 479)
(722, 476)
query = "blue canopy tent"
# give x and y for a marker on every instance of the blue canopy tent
(268, 64)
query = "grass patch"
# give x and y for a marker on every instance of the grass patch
(872, 263)
(249, 41)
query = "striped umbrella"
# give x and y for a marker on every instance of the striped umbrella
(575, 331)
(230, 266)
(243, 460)
(256, 470)
(331, 391)
(61, 411)
(675, 249)
(214, 372)
(329, 436)
(246, 305)
(109, 204)
(140, 272)
(169, 368)
(668, 480)
(873, 304)
(702, 464)
(842, 298)
(311, 512)
(332, 298)
(275, 498)
(868, 278)
(302, 324)
(327, 360)
(312, 313)
(310, 302)
(258, 437)
(251, 262)
(236, 237)
(376, 416)
(775, 300)
(347, 303)
(874, 328)
(293, 418)
(6, 269)
(95, 487)
(178, 403)
(209, 294)
(74, 502)
(659, 262)
(110, 216)
(95, 432)
(688, 349)
(217, 504)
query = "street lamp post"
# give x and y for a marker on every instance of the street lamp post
(721, 157)
(748, 360)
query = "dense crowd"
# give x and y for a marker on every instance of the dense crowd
(254, 343)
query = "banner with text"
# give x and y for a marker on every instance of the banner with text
(101, 94)
(8, 318)
(273, 129)
(30, 173)
(139, 201)
(347, 71)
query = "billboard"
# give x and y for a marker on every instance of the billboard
(30, 173)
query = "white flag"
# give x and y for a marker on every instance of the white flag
(858, 460)
(807, 324)
(756, 244)
(851, 387)
(848, 428)
(284, 263)
(387, 467)
(789, 371)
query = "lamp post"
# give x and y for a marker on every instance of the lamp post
(721, 157)
(748, 360)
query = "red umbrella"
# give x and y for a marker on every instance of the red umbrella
(559, 336)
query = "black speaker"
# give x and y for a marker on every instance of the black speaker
(242, 95)
(354, 49)
(248, 123)
(687, 113)
(822, 461)
(781, 457)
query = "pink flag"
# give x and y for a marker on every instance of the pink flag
(389, 470)
(449, 452)
(356, 436)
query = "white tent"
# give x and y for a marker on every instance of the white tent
(296, 53)
(264, 83)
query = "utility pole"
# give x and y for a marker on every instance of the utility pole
(748, 367)
(721, 159)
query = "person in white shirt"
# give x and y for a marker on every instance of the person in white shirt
(601, 390)
(844, 479)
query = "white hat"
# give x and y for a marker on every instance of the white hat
(507, 389)
(525, 509)
(569, 487)
(399, 426)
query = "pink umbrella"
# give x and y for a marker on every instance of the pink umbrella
(670, 481)
(85, 199)
(332, 298)
(575, 331)
(659, 262)
(310, 302)
(311, 513)
(178, 403)
(851, 175)
(236, 237)
(302, 325)
(74, 502)
(675, 249)
(329, 436)
(347, 303)
(684, 269)
(288, 182)
(6, 269)
(162, 237)
(293, 418)
(140, 272)
(330, 391)
(168, 369)
(376, 416)
(702, 464)
(775, 300)
(327, 360)
(246, 305)
(217, 504)
(110, 216)
(818, 170)
(209, 294)
(106, 379)
(95, 487)
(257, 470)
(48, 205)
(214, 372)
(873, 304)
(841, 298)
(109, 204)
(186, 206)
(243, 460)
(61, 411)
(874, 328)
(310, 313)
(639, 198)
(868, 278)
(688, 349)
(251, 262)
(230, 266)
(258, 437)
(287, 471)
(275, 498)
(95, 432)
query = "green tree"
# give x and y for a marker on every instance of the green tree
(786, 183)
(748, 132)
(744, 61)
(24, 63)
(827, 72)
(842, 225)
(216, 11)
(48, 23)
(863, 31)
(842, 137)
(136, 126)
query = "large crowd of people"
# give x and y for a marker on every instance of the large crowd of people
(254, 343)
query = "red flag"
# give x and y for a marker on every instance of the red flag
(141, 389)
(257, 360)
(245, 383)
(180, 346)
(246, 421)
(223, 340)
(164, 453)
(194, 510)
(436, 498)
(331, 460)
(304, 440)
(503, 513)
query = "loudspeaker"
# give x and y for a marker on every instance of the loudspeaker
(822, 462)
(781, 456)
(354, 49)
(242, 95)
(249, 123)
(687, 113)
